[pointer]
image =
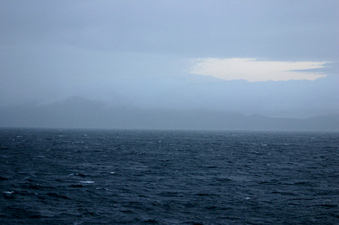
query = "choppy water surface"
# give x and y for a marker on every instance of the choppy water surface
(168, 177)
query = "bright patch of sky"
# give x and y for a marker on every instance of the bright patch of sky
(254, 70)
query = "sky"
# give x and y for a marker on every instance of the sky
(275, 58)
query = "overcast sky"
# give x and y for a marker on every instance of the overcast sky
(276, 58)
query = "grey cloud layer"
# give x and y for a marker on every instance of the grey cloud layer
(138, 53)
(280, 29)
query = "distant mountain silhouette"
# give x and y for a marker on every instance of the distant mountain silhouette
(77, 112)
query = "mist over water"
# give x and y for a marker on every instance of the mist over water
(77, 112)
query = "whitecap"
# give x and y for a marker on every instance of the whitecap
(101, 188)
(87, 182)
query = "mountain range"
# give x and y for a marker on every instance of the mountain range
(78, 112)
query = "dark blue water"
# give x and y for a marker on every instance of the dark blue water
(168, 177)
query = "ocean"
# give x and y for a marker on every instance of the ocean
(168, 177)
